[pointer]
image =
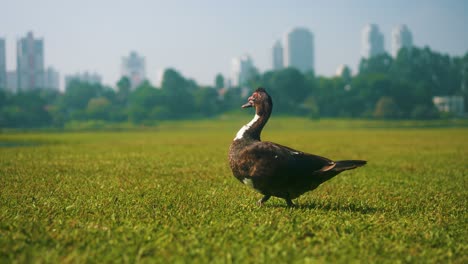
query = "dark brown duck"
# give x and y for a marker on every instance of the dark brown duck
(273, 169)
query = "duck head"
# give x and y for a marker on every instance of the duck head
(261, 100)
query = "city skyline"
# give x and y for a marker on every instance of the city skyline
(298, 51)
(133, 67)
(401, 38)
(30, 62)
(199, 40)
(372, 41)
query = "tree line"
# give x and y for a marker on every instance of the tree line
(384, 87)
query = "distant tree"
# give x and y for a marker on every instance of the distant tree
(99, 108)
(206, 101)
(177, 89)
(219, 81)
(146, 103)
(289, 88)
(424, 112)
(78, 94)
(346, 74)
(3, 97)
(123, 90)
(331, 96)
(232, 99)
(377, 64)
(311, 108)
(25, 109)
(386, 108)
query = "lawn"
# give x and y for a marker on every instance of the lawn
(166, 194)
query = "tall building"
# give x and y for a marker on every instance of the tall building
(30, 62)
(372, 41)
(51, 79)
(3, 74)
(299, 49)
(241, 69)
(401, 38)
(277, 56)
(133, 67)
(86, 77)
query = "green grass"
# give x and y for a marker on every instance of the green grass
(167, 195)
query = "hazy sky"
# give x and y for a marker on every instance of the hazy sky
(200, 37)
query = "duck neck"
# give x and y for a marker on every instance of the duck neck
(253, 129)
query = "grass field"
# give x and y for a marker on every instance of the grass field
(167, 195)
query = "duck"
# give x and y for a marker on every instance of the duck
(273, 169)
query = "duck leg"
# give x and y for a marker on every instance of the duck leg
(289, 202)
(263, 200)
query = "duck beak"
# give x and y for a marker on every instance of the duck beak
(248, 104)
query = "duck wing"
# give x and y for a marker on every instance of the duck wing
(268, 159)
(306, 161)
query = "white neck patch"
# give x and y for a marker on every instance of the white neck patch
(241, 132)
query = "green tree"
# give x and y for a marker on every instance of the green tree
(219, 81)
(386, 108)
(76, 97)
(99, 108)
(289, 88)
(177, 91)
(25, 110)
(311, 108)
(146, 103)
(206, 101)
(232, 99)
(123, 91)
(377, 64)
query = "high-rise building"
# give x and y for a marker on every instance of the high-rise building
(241, 69)
(30, 62)
(277, 56)
(51, 79)
(3, 74)
(133, 67)
(401, 38)
(86, 77)
(299, 49)
(372, 41)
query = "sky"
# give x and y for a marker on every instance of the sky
(199, 38)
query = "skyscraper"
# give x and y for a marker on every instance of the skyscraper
(372, 41)
(3, 75)
(277, 56)
(401, 38)
(241, 69)
(51, 79)
(133, 67)
(299, 49)
(30, 63)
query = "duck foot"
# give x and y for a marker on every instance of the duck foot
(263, 200)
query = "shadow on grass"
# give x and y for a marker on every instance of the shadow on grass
(354, 208)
